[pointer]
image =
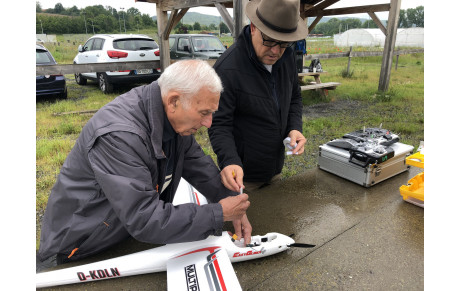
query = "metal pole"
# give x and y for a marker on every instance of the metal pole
(93, 26)
(41, 25)
(349, 61)
(86, 29)
(124, 23)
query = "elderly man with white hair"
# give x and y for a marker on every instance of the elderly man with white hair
(122, 174)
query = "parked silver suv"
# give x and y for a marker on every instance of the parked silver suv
(105, 48)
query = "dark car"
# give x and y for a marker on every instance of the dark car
(49, 84)
(195, 46)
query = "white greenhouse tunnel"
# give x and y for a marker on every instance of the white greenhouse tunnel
(369, 37)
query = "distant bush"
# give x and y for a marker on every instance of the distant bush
(347, 74)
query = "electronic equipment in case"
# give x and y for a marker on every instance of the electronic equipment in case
(366, 156)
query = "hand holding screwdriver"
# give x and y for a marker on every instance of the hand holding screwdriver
(232, 178)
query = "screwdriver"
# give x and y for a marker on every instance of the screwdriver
(234, 176)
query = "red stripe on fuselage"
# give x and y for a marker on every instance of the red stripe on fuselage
(210, 250)
(197, 200)
(219, 274)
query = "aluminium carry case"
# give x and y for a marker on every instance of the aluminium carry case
(361, 168)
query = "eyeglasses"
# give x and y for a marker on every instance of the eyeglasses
(271, 42)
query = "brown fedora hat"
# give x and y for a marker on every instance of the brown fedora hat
(278, 19)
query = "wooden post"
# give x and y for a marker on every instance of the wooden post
(349, 61)
(225, 16)
(238, 17)
(305, 20)
(397, 59)
(162, 21)
(390, 40)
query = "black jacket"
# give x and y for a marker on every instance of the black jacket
(249, 127)
(106, 190)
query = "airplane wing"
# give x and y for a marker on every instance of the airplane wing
(204, 268)
(186, 193)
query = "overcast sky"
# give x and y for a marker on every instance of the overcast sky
(149, 8)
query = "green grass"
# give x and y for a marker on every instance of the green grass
(400, 109)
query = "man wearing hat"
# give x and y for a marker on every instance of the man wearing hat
(261, 103)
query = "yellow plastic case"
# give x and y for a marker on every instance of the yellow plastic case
(413, 192)
(416, 160)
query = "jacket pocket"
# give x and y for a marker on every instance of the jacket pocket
(107, 233)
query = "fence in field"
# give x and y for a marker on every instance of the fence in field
(353, 54)
(120, 66)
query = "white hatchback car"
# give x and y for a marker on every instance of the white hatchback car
(107, 48)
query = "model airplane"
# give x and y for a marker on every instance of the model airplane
(200, 265)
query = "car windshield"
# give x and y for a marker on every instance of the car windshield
(204, 44)
(135, 44)
(42, 57)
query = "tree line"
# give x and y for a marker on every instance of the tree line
(91, 19)
(185, 28)
(100, 19)
(407, 18)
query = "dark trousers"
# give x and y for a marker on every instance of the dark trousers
(52, 261)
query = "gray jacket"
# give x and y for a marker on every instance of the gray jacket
(106, 190)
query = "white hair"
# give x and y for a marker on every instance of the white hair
(188, 77)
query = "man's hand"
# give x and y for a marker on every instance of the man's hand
(232, 177)
(297, 137)
(234, 207)
(243, 228)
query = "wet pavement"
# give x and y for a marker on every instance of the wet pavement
(366, 239)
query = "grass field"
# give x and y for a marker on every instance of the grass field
(401, 110)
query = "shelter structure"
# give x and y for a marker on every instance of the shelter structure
(308, 8)
(410, 37)
(368, 37)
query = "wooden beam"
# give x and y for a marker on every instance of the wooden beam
(305, 7)
(162, 21)
(169, 5)
(360, 54)
(177, 19)
(348, 10)
(326, 3)
(225, 16)
(312, 3)
(314, 23)
(148, 1)
(238, 17)
(388, 49)
(170, 24)
(378, 22)
(94, 67)
(121, 66)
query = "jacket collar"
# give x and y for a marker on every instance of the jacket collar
(156, 116)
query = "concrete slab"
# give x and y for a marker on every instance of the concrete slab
(366, 239)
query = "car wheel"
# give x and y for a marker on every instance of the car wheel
(80, 80)
(63, 95)
(104, 84)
